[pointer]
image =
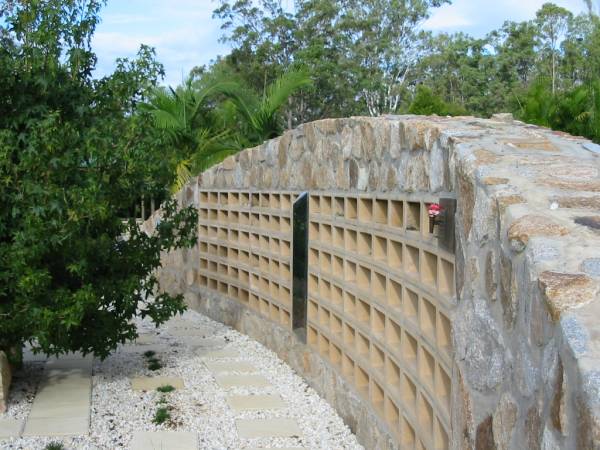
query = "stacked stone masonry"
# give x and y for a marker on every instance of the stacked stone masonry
(493, 346)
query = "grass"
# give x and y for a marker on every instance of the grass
(166, 388)
(153, 362)
(154, 365)
(54, 446)
(162, 415)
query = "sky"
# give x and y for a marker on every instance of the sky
(185, 35)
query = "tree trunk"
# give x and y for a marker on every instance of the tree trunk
(553, 73)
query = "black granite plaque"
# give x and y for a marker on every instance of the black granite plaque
(446, 239)
(300, 266)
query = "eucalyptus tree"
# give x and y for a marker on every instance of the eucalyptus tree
(552, 22)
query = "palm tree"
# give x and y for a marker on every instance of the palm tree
(203, 131)
(184, 115)
(260, 115)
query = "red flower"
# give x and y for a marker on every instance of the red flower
(434, 210)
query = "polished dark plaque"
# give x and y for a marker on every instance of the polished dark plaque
(446, 239)
(300, 266)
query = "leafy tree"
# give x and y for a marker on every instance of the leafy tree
(385, 47)
(73, 157)
(552, 22)
(593, 10)
(353, 50)
(427, 103)
(515, 49)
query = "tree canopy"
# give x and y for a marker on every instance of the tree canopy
(371, 57)
(75, 156)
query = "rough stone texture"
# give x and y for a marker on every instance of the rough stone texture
(485, 435)
(522, 230)
(526, 234)
(563, 291)
(5, 378)
(503, 422)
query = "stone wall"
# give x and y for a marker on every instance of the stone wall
(519, 325)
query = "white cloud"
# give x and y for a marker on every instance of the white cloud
(478, 17)
(445, 18)
(182, 31)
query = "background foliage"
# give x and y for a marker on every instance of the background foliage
(371, 57)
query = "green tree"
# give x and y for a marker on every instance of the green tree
(552, 21)
(384, 44)
(427, 103)
(72, 158)
(353, 50)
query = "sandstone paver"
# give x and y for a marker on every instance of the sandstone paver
(145, 339)
(223, 353)
(151, 383)
(10, 428)
(255, 402)
(229, 366)
(267, 428)
(133, 348)
(62, 404)
(59, 426)
(164, 440)
(185, 332)
(251, 381)
(276, 448)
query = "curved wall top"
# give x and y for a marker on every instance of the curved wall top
(494, 345)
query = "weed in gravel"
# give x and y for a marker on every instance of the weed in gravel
(162, 415)
(149, 353)
(54, 446)
(154, 365)
(166, 388)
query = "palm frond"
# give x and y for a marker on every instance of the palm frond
(283, 88)
(183, 174)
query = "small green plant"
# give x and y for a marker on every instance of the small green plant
(166, 388)
(154, 365)
(54, 446)
(149, 353)
(162, 415)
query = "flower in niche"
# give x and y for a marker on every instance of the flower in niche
(434, 210)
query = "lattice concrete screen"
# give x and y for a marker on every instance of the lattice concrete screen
(245, 249)
(481, 333)
(380, 292)
(380, 300)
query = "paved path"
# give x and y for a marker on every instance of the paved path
(239, 384)
(230, 371)
(62, 402)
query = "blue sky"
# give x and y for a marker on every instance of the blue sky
(185, 35)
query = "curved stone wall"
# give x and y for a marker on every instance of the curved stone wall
(492, 345)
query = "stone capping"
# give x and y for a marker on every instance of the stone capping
(526, 360)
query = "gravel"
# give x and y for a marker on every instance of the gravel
(118, 411)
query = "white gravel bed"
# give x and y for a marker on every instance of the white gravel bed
(118, 411)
